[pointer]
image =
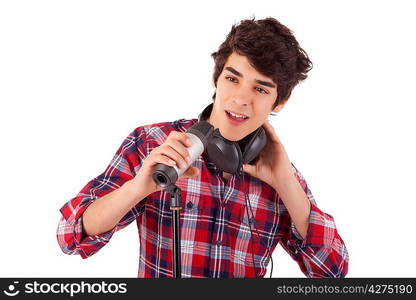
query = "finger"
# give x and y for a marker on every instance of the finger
(191, 172)
(180, 148)
(180, 136)
(173, 154)
(159, 158)
(271, 133)
(250, 169)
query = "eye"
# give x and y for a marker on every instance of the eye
(261, 90)
(229, 77)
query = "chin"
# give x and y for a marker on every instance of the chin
(232, 137)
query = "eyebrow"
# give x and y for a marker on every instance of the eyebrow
(262, 82)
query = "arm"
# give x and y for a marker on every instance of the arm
(110, 202)
(104, 213)
(295, 200)
(319, 250)
(317, 247)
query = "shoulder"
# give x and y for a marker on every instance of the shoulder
(158, 132)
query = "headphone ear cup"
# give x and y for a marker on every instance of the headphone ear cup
(252, 145)
(225, 154)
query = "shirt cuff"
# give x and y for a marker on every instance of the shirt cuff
(88, 245)
(320, 233)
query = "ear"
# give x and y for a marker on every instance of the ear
(212, 78)
(280, 106)
(213, 84)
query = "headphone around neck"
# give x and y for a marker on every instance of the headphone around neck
(229, 156)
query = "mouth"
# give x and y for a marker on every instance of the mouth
(236, 119)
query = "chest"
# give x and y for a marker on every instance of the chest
(226, 176)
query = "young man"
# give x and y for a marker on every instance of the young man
(256, 69)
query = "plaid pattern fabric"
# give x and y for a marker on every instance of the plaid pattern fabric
(215, 233)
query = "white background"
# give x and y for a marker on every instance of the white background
(76, 77)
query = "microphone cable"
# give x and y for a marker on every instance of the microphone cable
(248, 205)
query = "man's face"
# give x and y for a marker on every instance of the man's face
(244, 91)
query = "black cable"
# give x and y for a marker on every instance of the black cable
(251, 236)
(247, 200)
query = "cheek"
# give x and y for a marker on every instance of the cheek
(260, 115)
(258, 121)
(222, 95)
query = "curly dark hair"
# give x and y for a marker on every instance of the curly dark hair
(271, 49)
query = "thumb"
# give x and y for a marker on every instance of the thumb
(249, 169)
(191, 172)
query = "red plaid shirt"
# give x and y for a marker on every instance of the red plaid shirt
(215, 233)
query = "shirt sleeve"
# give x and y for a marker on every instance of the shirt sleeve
(123, 167)
(322, 253)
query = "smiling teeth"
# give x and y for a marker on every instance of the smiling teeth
(237, 116)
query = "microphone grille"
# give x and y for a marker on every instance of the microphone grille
(202, 130)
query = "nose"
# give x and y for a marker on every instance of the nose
(242, 97)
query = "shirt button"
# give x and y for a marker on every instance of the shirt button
(218, 243)
(189, 205)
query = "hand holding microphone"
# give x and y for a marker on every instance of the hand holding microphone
(167, 163)
(198, 135)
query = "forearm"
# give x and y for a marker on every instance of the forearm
(105, 212)
(295, 201)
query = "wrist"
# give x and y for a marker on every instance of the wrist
(135, 191)
(282, 179)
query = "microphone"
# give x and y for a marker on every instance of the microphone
(199, 134)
